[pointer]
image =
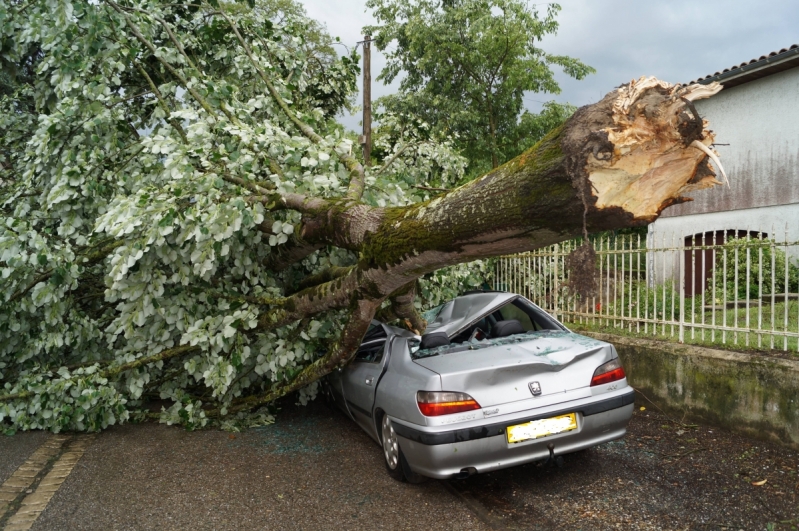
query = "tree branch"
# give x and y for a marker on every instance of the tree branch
(135, 29)
(115, 371)
(395, 156)
(431, 189)
(168, 30)
(334, 295)
(291, 252)
(339, 355)
(357, 178)
(402, 308)
(174, 123)
(252, 187)
(92, 259)
(324, 276)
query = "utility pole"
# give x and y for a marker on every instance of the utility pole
(367, 101)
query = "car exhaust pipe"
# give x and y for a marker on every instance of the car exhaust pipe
(465, 473)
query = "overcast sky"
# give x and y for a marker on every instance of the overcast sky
(674, 40)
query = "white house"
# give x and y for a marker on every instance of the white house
(756, 121)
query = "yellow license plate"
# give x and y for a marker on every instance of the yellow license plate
(536, 429)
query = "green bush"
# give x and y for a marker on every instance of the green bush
(737, 265)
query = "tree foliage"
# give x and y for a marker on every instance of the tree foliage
(183, 220)
(145, 148)
(465, 66)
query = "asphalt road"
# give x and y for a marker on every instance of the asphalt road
(314, 469)
(662, 475)
(14, 451)
(311, 470)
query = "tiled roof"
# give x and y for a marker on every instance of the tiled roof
(793, 50)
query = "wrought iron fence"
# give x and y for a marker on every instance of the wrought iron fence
(724, 288)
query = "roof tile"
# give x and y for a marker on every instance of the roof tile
(745, 63)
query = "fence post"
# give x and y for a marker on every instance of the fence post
(681, 248)
(556, 283)
(786, 290)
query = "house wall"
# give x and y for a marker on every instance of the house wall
(760, 121)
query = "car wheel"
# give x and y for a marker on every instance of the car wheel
(396, 464)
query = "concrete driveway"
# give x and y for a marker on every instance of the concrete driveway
(314, 469)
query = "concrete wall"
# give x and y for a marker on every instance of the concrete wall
(754, 394)
(760, 121)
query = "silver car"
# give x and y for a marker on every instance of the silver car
(494, 382)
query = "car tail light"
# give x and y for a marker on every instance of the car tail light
(435, 403)
(608, 372)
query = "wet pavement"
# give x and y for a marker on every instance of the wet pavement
(662, 475)
(311, 470)
(314, 469)
(14, 450)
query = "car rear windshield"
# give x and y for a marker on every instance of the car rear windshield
(482, 332)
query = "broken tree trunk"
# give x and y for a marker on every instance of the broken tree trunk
(616, 163)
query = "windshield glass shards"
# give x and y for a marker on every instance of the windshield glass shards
(477, 344)
(517, 320)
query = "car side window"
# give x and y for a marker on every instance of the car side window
(511, 311)
(371, 353)
(534, 318)
(371, 349)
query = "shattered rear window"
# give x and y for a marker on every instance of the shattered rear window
(478, 333)
(477, 344)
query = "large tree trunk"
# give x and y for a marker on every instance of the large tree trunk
(617, 163)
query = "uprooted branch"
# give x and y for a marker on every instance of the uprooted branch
(340, 354)
(613, 164)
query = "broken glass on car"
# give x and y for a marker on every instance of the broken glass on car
(516, 320)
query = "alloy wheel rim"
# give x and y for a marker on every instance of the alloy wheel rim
(390, 445)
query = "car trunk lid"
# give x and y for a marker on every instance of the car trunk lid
(500, 371)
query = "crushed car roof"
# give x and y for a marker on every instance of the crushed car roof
(463, 310)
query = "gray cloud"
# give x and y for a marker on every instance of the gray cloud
(676, 40)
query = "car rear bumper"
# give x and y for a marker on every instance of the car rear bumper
(445, 453)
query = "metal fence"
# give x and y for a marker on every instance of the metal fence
(721, 288)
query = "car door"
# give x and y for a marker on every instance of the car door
(361, 376)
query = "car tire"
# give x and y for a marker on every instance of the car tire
(396, 464)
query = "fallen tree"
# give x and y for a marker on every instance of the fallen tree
(182, 222)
